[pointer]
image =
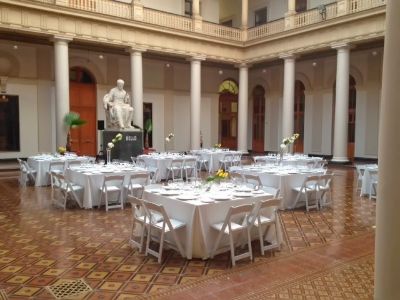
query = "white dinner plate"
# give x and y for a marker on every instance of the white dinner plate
(186, 197)
(243, 189)
(258, 192)
(241, 195)
(207, 200)
(221, 197)
(169, 192)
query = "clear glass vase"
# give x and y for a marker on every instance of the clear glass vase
(108, 156)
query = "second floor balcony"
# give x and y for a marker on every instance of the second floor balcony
(192, 22)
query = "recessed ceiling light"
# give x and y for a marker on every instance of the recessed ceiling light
(220, 72)
(264, 70)
(15, 47)
(374, 53)
(314, 64)
(101, 56)
(167, 65)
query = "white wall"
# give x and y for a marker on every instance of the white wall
(275, 9)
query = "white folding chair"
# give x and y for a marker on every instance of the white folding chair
(226, 161)
(55, 167)
(325, 189)
(260, 160)
(320, 164)
(190, 168)
(307, 189)
(69, 164)
(27, 174)
(202, 162)
(63, 190)
(111, 192)
(263, 221)
(360, 174)
(175, 169)
(255, 182)
(373, 191)
(137, 182)
(162, 227)
(133, 160)
(231, 226)
(237, 159)
(236, 177)
(139, 216)
(140, 162)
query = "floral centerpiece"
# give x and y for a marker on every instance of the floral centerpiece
(286, 142)
(61, 150)
(111, 145)
(217, 146)
(168, 139)
(218, 176)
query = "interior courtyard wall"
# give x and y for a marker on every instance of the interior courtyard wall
(275, 10)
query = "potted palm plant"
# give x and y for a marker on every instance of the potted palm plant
(72, 120)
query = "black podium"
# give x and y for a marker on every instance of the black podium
(130, 145)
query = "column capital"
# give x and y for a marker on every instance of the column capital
(197, 58)
(136, 49)
(288, 55)
(340, 45)
(243, 65)
(61, 38)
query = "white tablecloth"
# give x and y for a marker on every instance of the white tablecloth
(41, 165)
(281, 178)
(199, 238)
(161, 162)
(366, 180)
(92, 180)
(290, 160)
(214, 156)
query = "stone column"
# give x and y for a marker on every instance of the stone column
(245, 14)
(342, 103)
(289, 15)
(291, 7)
(288, 95)
(197, 19)
(387, 240)
(243, 107)
(137, 84)
(61, 77)
(195, 101)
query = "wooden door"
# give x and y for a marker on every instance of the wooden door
(228, 120)
(83, 101)
(299, 104)
(258, 119)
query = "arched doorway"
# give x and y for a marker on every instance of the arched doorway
(228, 113)
(351, 133)
(82, 99)
(299, 105)
(258, 118)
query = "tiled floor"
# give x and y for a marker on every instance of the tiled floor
(41, 245)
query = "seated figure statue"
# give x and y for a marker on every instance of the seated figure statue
(119, 112)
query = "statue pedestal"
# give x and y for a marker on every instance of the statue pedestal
(130, 145)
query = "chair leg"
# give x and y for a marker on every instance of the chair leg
(160, 250)
(148, 240)
(260, 236)
(249, 243)
(232, 248)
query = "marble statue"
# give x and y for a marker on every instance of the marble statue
(119, 112)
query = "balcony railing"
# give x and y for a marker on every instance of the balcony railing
(177, 22)
(222, 31)
(160, 18)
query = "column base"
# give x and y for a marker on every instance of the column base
(340, 160)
